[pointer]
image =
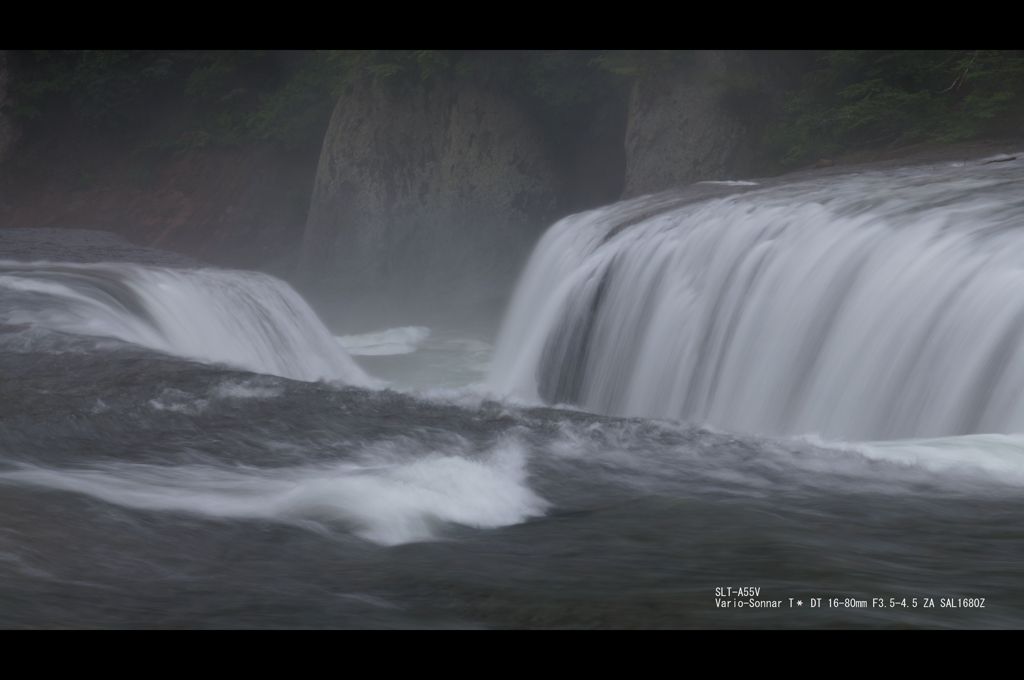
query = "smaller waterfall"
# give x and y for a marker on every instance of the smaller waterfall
(243, 319)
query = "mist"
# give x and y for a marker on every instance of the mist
(511, 339)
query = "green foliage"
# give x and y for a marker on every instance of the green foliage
(221, 97)
(213, 74)
(844, 100)
(560, 88)
(399, 64)
(744, 94)
(100, 87)
(639, 63)
(233, 97)
(279, 97)
(567, 81)
(855, 99)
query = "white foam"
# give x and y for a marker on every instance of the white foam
(245, 390)
(385, 502)
(636, 454)
(996, 457)
(178, 401)
(245, 319)
(402, 340)
(730, 182)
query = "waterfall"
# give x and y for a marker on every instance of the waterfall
(244, 319)
(880, 304)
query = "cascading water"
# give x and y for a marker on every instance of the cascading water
(143, 488)
(243, 319)
(881, 304)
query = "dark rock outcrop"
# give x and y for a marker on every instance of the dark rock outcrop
(83, 245)
(428, 194)
(234, 207)
(681, 128)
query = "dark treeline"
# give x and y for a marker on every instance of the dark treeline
(827, 103)
(246, 158)
(283, 97)
(855, 99)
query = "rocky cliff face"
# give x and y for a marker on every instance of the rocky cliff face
(427, 197)
(680, 130)
(429, 194)
(443, 187)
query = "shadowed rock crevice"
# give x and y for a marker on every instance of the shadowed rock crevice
(429, 194)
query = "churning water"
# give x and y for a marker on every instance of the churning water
(809, 387)
(243, 319)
